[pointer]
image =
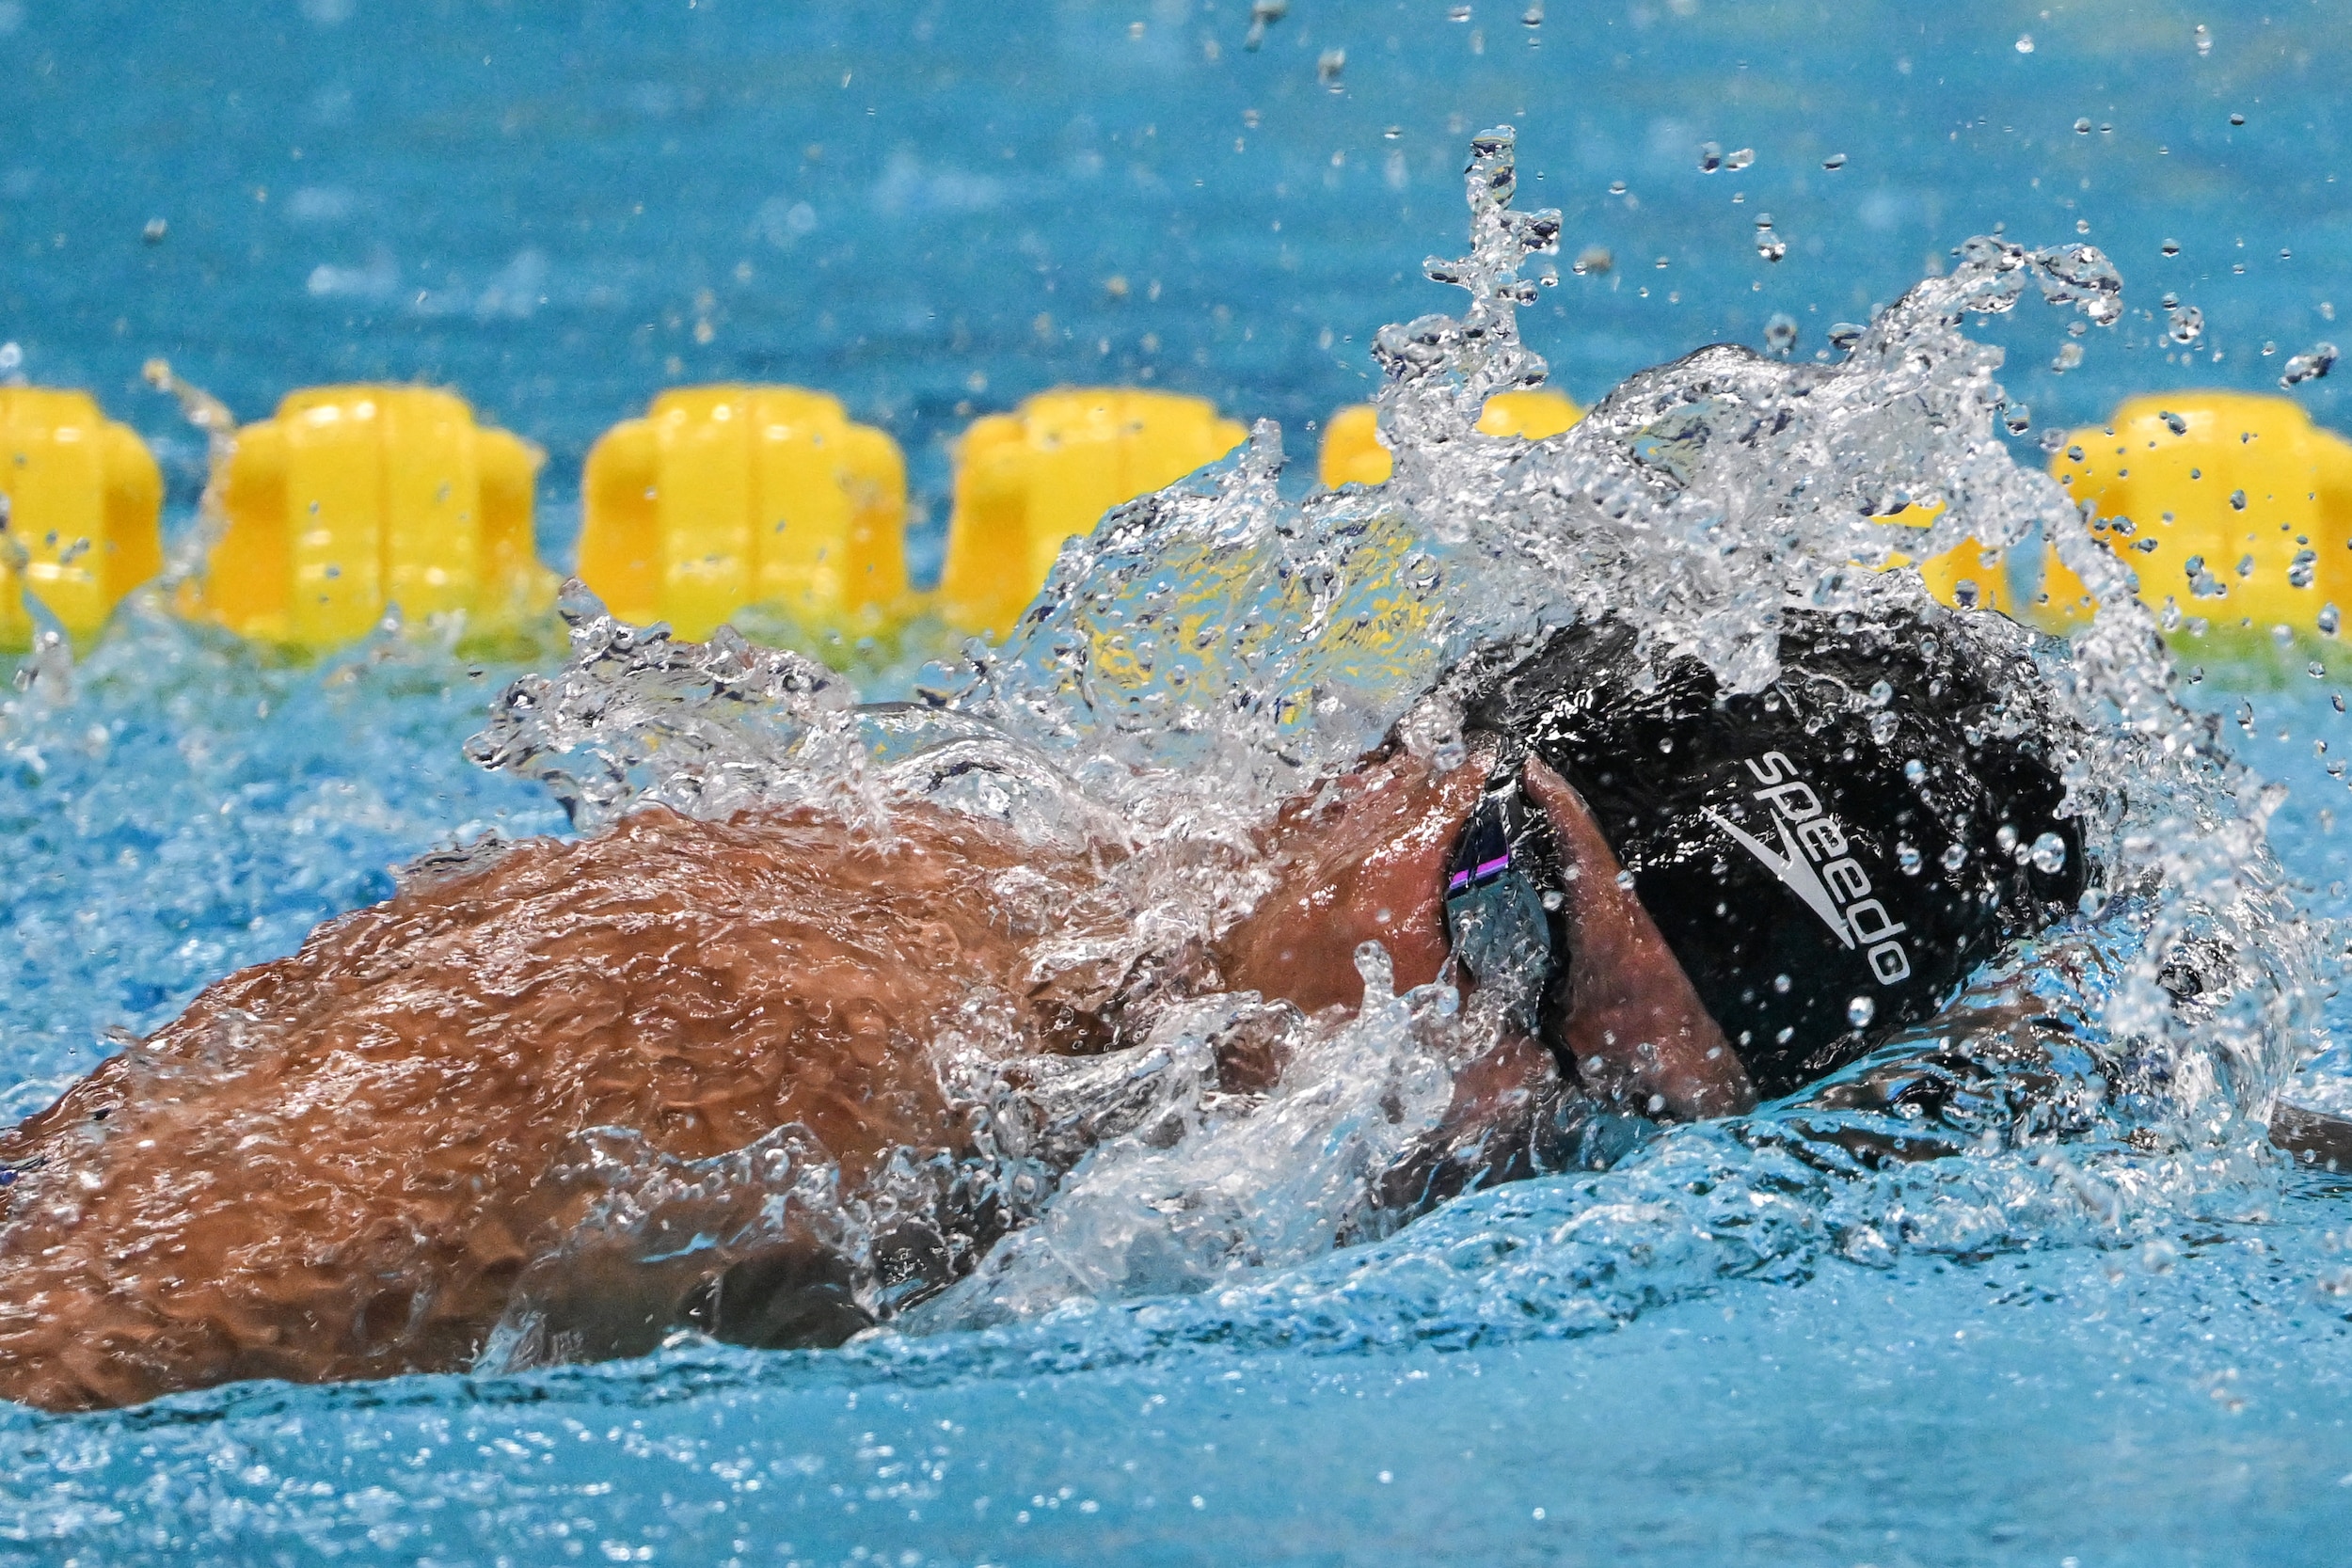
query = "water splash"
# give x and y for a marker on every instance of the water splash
(1211, 649)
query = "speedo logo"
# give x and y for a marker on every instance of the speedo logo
(1812, 862)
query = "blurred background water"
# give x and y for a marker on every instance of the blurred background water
(933, 211)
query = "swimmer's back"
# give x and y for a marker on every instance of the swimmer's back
(338, 1164)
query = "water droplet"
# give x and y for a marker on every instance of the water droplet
(2205, 40)
(2329, 619)
(12, 355)
(2019, 418)
(1913, 770)
(1534, 15)
(1329, 65)
(2173, 422)
(2049, 853)
(1860, 1011)
(1844, 335)
(1711, 157)
(1780, 335)
(154, 232)
(2025, 43)
(2238, 504)
(2310, 365)
(2317, 670)
(1907, 856)
(2068, 356)
(2187, 324)
(1457, 13)
(1740, 159)
(2093, 902)
(1955, 857)
(1262, 14)
(2074, 453)
(2082, 127)
(1835, 162)
(2171, 247)
(1780, 984)
(1593, 261)
(2302, 568)
(1616, 187)
(2237, 119)
(1769, 247)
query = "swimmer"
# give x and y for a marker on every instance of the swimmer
(1672, 903)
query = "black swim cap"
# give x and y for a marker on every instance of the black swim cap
(1830, 857)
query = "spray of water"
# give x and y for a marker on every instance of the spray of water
(1210, 650)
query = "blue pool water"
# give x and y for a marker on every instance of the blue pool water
(922, 207)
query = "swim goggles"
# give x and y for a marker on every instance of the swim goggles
(1502, 901)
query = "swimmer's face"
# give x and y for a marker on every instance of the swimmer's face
(1364, 859)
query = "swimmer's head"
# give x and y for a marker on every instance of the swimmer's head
(1829, 858)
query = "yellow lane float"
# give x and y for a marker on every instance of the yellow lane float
(728, 497)
(1352, 452)
(2233, 507)
(1029, 480)
(85, 503)
(356, 499)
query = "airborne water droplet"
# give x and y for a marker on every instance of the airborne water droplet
(2310, 365)
(2238, 504)
(1835, 162)
(2049, 853)
(1907, 856)
(2025, 43)
(2082, 127)
(1739, 159)
(2171, 247)
(1860, 1011)
(2205, 40)
(1780, 335)
(1711, 157)
(1955, 857)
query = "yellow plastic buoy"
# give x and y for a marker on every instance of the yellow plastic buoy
(2240, 508)
(1352, 452)
(727, 497)
(1027, 481)
(356, 499)
(83, 506)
